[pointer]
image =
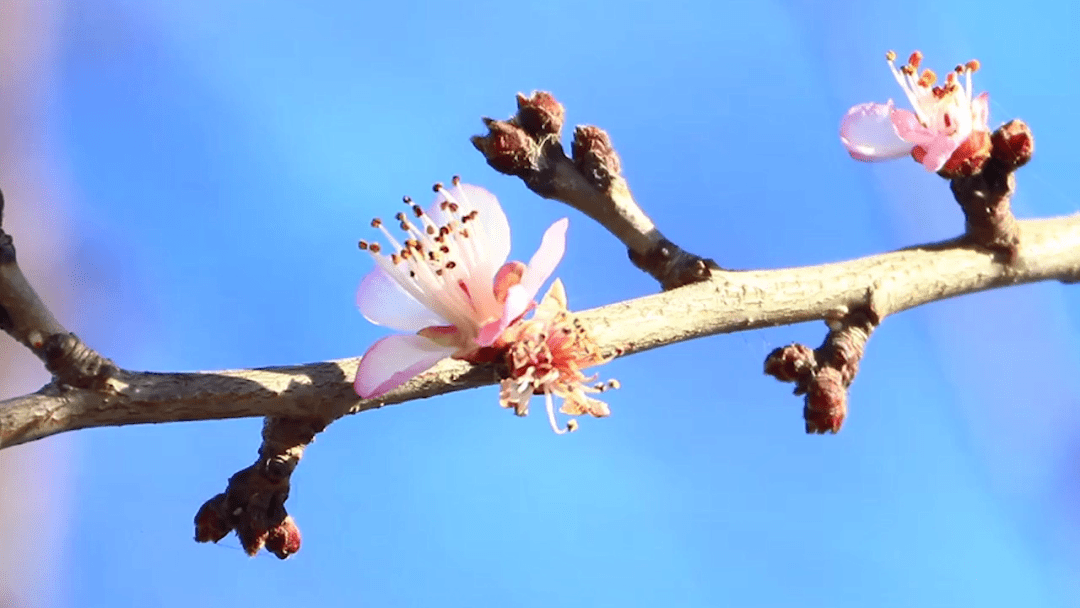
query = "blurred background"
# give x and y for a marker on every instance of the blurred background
(186, 183)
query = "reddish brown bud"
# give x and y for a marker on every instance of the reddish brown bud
(594, 156)
(540, 114)
(1013, 144)
(789, 363)
(212, 522)
(826, 402)
(284, 539)
(507, 147)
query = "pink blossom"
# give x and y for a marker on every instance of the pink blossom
(946, 121)
(447, 284)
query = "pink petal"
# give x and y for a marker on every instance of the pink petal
(384, 302)
(980, 112)
(938, 152)
(518, 302)
(509, 275)
(909, 128)
(395, 360)
(868, 134)
(491, 226)
(546, 258)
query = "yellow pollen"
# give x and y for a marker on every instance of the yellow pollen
(973, 65)
(890, 56)
(928, 78)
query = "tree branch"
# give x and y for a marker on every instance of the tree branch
(728, 302)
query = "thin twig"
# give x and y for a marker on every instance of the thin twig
(529, 146)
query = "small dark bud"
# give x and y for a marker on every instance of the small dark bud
(211, 522)
(252, 536)
(826, 402)
(789, 363)
(540, 114)
(284, 539)
(507, 147)
(594, 156)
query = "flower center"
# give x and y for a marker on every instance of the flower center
(437, 257)
(942, 107)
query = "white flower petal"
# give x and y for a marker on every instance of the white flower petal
(384, 302)
(395, 360)
(868, 134)
(494, 228)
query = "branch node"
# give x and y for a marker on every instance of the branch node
(74, 363)
(672, 266)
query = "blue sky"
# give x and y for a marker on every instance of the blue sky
(224, 158)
